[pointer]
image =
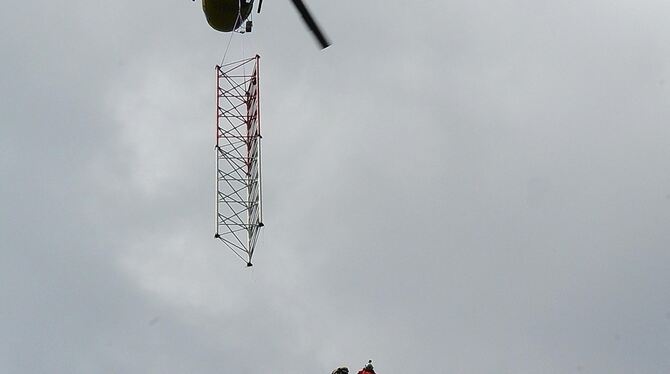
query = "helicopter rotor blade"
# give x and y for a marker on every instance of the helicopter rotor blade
(311, 23)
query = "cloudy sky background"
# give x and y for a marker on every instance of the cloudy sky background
(452, 187)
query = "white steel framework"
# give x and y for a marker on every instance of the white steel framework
(239, 211)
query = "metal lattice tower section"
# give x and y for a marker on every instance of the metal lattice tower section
(239, 212)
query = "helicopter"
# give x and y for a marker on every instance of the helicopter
(229, 15)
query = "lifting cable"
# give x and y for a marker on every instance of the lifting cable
(227, 46)
(239, 18)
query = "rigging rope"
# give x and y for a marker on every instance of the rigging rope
(239, 19)
(227, 46)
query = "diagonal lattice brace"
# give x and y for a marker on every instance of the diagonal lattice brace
(239, 208)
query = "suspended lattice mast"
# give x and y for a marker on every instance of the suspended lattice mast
(239, 211)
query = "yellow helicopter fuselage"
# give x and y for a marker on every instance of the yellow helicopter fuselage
(226, 15)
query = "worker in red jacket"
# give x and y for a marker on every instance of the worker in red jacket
(368, 369)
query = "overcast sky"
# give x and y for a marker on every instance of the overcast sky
(452, 187)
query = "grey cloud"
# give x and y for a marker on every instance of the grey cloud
(453, 187)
